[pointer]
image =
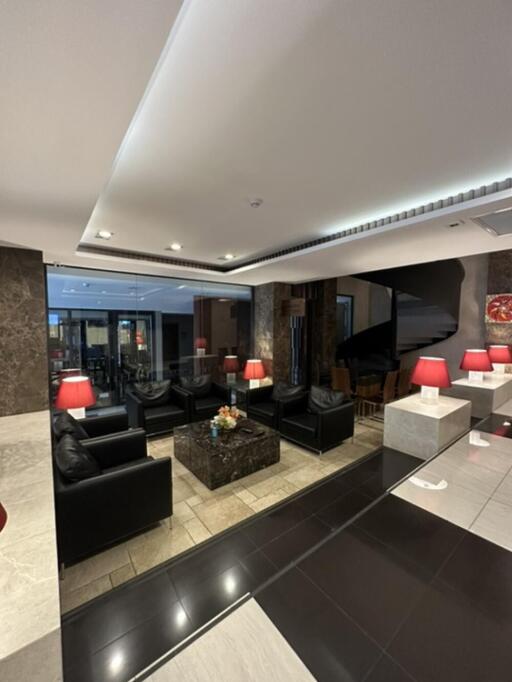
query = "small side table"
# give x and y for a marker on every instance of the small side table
(423, 429)
(486, 396)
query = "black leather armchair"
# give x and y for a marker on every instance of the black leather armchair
(319, 431)
(133, 491)
(205, 397)
(263, 406)
(89, 427)
(158, 416)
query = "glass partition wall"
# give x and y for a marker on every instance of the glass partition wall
(118, 328)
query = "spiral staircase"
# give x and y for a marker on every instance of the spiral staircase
(424, 311)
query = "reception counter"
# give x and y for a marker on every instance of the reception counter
(30, 646)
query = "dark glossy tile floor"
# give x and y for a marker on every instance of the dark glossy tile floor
(412, 597)
(121, 633)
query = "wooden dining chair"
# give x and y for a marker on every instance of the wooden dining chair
(404, 382)
(340, 380)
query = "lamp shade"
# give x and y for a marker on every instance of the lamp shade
(201, 343)
(500, 354)
(3, 517)
(75, 392)
(476, 360)
(254, 370)
(231, 364)
(431, 372)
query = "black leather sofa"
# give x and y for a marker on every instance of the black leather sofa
(157, 407)
(205, 396)
(130, 492)
(263, 403)
(317, 429)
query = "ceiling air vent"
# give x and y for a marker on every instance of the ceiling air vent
(498, 224)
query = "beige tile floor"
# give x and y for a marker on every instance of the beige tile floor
(200, 513)
(471, 486)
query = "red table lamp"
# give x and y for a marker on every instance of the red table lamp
(3, 517)
(476, 362)
(200, 344)
(499, 356)
(431, 374)
(75, 394)
(254, 371)
(231, 366)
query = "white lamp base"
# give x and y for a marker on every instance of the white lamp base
(254, 383)
(77, 413)
(200, 352)
(499, 368)
(475, 377)
(231, 377)
(430, 394)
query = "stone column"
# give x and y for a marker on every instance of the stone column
(23, 332)
(272, 329)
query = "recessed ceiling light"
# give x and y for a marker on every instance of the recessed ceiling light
(223, 300)
(175, 246)
(104, 234)
(229, 256)
(132, 293)
(86, 284)
(104, 292)
(142, 298)
(255, 203)
(182, 286)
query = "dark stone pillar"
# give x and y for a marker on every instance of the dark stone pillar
(278, 336)
(23, 332)
(272, 329)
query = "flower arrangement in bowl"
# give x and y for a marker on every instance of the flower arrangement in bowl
(227, 418)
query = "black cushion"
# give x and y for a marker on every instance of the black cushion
(66, 424)
(200, 386)
(323, 399)
(152, 393)
(282, 391)
(209, 403)
(303, 422)
(268, 409)
(163, 412)
(74, 461)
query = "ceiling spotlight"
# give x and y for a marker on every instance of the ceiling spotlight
(175, 246)
(229, 256)
(255, 203)
(86, 284)
(182, 286)
(104, 292)
(223, 300)
(103, 234)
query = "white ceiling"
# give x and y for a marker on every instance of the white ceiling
(333, 111)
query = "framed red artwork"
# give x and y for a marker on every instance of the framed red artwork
(498, 309)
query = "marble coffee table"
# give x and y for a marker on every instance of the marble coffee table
(229, 456)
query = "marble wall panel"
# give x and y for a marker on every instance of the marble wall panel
(23, 335)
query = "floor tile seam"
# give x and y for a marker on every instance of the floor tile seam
(394, 550)
(189, 639)
(431, 581)
(490, 499)
(279, 537)
(143, 621)
(339, 608)
(394, 660)
(482, 466)
(332, 534)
